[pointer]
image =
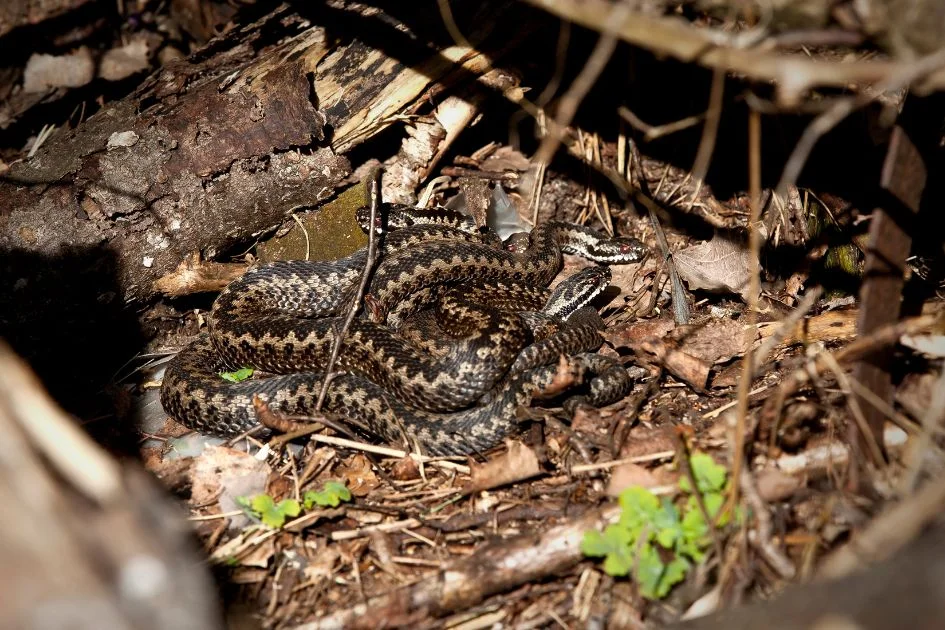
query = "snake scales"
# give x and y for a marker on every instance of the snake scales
(281, 318)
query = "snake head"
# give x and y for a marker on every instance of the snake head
(617, 250)
(374, 309)
(363, 216)
(517, 242)
(577, 291)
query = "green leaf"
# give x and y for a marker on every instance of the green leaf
(614, 544)
(331, 495)
(655, 578)
(274, 514)
(649, 570)
(594, 544)
(693, 524)
(675, 573)
(239, 375)
(640, 508)
(710, 477)
(695, 538)
(619, 563)
(667, 524)
(713, 503)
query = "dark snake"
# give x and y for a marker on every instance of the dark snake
(282, 318)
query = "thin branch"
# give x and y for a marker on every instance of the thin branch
(932, 421)
(784, 329)
(760, 537)
(651, 132)
(375, 184)
(876, 451)
(685, 463)
(751, 330)
(673, 37)
(681, 311)
(571, 100)
(711, 128)
(908, 74)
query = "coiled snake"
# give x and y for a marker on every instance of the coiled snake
(282, 318)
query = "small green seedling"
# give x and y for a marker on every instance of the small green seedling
(238, 376)
(331, 494)
(650, 530)
(274, 514)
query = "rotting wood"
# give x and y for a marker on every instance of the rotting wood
(492, 570)
(17, 13)
(903, 178)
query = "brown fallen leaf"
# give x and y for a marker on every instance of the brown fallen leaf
(720, 264)
(643, 440)
(517, 463)
(321, 566)
(359, 475)
(260, 555)
(691, 370)
(630, 474)
(649, 338)
(775, 485)
(716, 340)
(405, 469)
(44, 72)
(124, 61)
(221, 474)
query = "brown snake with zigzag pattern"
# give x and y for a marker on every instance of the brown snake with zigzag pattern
(281, 318)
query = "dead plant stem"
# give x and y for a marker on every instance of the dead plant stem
(375, 194)
(571, 99)
(751, 330)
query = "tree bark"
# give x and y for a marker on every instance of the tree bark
(206, 156)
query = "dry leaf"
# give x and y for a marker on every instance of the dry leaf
(405, 469)
(721, 264)
(630, 335)
(714, 341)
(120, 63)
(517, 463)
(359, 475)
(630, 474)
(776, 485)
(260, 555)
(687, 368)
(932, 346)
(322, 565)
(44, 72)
(223, 474)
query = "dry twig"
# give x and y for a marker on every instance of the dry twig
(375, 193)
(582, 84)
(793, 74)
(751, 329)
(526, 558)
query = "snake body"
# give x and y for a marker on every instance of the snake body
(282, 318)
